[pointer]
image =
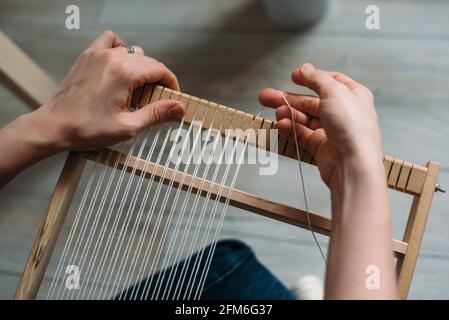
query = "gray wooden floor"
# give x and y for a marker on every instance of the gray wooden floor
(227, 51)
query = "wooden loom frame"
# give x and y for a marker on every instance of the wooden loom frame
(34, 87)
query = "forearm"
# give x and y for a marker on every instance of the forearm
(25, 141)
(361, 237)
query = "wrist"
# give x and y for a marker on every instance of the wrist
(359, 184)
(25, 141)
(366, 168)
(46, 133)
(359, 168)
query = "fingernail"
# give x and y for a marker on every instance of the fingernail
(307, 67)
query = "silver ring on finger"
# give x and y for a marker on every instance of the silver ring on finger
(130, 49)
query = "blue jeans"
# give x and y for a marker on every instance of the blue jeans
(235, 273)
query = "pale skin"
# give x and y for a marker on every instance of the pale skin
(339, 127)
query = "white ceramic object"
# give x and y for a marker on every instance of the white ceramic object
(295, 14)
(308, 288)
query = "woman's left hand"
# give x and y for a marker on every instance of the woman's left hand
(90, 108)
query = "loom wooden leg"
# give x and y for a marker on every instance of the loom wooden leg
(50, 228)
(414, 230)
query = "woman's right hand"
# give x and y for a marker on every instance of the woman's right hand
(338, 125)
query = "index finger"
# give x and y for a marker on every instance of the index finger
(319, 81)
(302, 102)
(352, 85)
(146, 70)
(347, 81)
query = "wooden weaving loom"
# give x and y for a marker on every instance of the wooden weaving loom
(415, 180)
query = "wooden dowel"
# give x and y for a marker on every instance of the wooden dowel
(50, 228)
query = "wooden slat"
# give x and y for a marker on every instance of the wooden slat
(147, 93)
(184, 100)
(211, 115)
(50, 228)
(265, 143)
(393, 177)
(219, 117)
(200, 110)
(388, 162)
(252, 130)
(22, 76)
(258, 121)
(157, 93)
(416, 179)
(238, 198)
(191, 105)
(257, 125)
(229, 114)
(175, 95)
(238, 121)
(409, 181)
(135, 97)
(166, 94)
(404, 175)
(247, 121)
(214, 116)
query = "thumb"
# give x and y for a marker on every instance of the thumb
(155, 113)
